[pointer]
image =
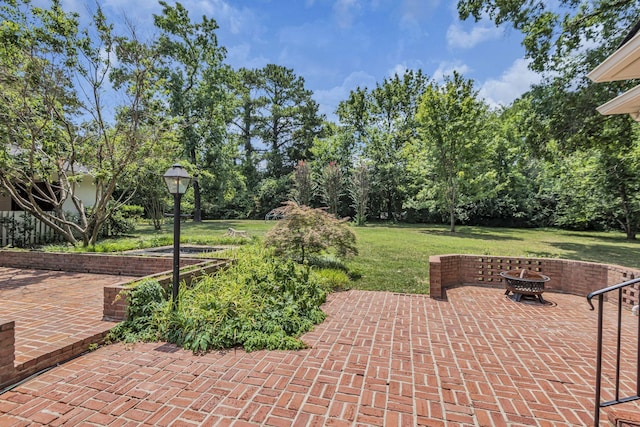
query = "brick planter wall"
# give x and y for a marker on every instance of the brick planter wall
(115, 296)
(91, 262)
(114, 307)
(567, 276)
(7, 351)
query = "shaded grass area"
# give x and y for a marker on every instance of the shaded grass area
(395, 257)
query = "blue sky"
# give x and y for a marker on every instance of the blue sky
(337, 45)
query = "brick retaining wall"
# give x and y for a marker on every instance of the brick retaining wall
(115, 296)
(567, 276)
(7, 350)
(10, 373)
(91, 262)
(114, 309)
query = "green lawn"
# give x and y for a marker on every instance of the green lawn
(396, 257)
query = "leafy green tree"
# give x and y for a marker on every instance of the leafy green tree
(303, 186)
(270, 194)
(304, 231)
(152, 191)
(515, 200)
(55, 122)
(245, 122)
(569, 39)
(597, 188)
(359, 188)
(383, 122)
(199, 93)
(452, 123)
(289, 119)
(337, 145)
(559, 33)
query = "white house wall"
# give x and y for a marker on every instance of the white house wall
(85, 191)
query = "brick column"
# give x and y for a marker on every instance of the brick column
(115, 303)
(7, 351)
(444, 271)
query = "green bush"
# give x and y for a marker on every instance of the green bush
(303, 232)
(333, 279)
(146, 302)
(259, 302)
(122, 221)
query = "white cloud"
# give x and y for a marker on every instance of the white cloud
(399, 69)
(329, 99)
(234, 20)
(517, 80)
(344, 11)
(458, 37)
(241, 56)
(447, 68)
(416, 11)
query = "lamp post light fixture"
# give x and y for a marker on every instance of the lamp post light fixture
(177, 180)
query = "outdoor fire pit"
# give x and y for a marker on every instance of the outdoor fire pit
(524, 283)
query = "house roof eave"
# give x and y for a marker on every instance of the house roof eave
(627, 103)
(623, 64)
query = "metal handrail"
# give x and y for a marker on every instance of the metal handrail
(600, 294)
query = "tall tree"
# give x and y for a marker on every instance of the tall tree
(568, 39)
(199, 94)
(383, 122)
(55, 122)
(556, 33)
(452, 123)
(289, 119)
(515, 200)
(245, 122)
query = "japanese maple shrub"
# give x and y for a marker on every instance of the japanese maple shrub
(306, 231)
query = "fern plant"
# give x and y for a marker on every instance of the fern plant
(261, 301)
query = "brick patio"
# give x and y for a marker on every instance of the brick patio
(52, 309)
(476, 359)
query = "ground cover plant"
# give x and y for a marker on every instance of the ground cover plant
(260, 301)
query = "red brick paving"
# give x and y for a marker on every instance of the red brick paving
(478, 359)
(52, 309)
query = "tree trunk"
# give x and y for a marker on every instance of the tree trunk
(452, 207)
(197, 212)
(629, 223)
(197, 199)
(452, 220)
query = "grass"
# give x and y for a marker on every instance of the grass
(396, 257)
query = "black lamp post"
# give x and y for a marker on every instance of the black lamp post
(177, 180)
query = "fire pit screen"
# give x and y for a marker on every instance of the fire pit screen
(524, 283)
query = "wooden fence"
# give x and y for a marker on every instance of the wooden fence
(21, 229)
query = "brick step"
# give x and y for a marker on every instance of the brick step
(623, 418)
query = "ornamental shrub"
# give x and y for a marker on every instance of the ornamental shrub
(306, 231)
(258, 302)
